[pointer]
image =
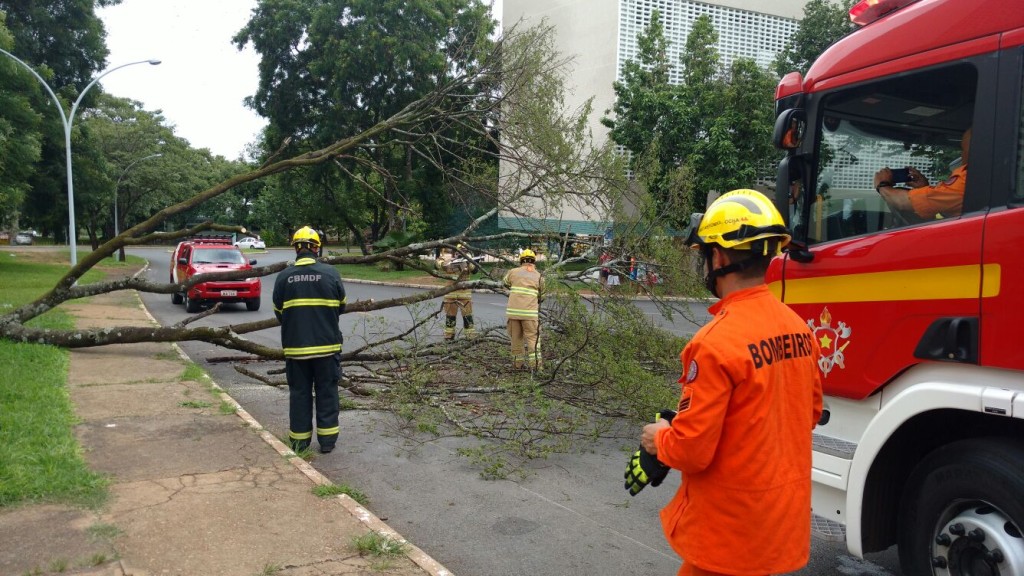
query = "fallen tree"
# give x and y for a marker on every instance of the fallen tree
(612, 363)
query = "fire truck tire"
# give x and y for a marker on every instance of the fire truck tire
(252, 304)
(192, 305)
(176, 298)
(962, 511)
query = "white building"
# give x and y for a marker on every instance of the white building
(601, 36)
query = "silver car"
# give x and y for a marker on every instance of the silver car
(250, 242)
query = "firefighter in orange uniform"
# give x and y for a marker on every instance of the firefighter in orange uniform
(944, 199)
(525, 289)
(751, 394)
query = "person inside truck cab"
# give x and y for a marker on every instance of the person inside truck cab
(928, 202)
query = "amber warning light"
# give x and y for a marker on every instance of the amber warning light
(867, 11)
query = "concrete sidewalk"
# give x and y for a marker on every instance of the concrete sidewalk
(197, 485)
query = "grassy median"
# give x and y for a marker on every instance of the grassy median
(40, 460)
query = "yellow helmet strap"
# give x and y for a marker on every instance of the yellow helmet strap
(713, 274)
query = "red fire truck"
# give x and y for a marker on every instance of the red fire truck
(205, 255)
(918, 311)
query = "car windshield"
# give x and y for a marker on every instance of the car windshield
(218, 256)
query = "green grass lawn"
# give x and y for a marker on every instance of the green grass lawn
(40, 460)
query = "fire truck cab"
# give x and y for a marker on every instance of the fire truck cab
(915, 300)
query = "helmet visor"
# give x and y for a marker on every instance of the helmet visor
(690, 233)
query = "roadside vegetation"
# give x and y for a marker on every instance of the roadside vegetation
(40, 460)
(403, 164)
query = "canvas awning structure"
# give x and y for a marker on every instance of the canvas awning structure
(553, 225)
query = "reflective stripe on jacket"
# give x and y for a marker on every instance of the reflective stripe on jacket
(466, 294)
(524, 294)
(308, 299)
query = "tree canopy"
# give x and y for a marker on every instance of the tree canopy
(335, 67)
(20, 138)
(824, 22)
(709, 133)
(65, 43)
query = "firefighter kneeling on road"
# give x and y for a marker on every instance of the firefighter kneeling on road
(457, 299)
(525, 291)
(309, 298)
(751, 395)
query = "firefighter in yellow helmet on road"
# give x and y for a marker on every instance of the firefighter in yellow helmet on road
(309, 298)
(457, 300)
(525, 291)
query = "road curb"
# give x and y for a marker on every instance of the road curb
(367, 518)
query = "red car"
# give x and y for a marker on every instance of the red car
(213, 254)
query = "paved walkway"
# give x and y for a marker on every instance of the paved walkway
(197, 485)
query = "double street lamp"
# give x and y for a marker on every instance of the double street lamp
(116, 187)
(67, 120)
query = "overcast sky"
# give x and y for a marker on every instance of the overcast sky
(203, 78)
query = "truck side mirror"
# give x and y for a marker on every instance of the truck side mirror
(183, 261)
(790, 127)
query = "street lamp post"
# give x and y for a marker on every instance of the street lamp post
(67, 120)
(120, 256)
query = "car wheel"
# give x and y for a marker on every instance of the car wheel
(177, 298)
(962, 513)
(192, 304)
(252, 304)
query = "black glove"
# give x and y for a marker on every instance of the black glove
(644, 468)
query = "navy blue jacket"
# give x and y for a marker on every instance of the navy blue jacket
(308, 299)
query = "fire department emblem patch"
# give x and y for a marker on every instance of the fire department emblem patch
(832, 340)
(691, 371)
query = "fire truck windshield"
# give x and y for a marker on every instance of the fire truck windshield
(218, 256)
(906, 121)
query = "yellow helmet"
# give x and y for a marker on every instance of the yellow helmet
(527, 254)
(741, 220)
(306, 235)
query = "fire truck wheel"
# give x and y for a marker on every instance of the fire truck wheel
(252, 304)
(962, 512)
(192, 305)
(177, 298)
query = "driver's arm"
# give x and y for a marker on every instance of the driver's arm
(896, 198)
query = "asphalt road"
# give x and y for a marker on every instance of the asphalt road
(571, 516)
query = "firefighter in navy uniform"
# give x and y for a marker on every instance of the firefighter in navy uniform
(308, 300)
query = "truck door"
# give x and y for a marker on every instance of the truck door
(895, 278)
(181, 270)
(1002, 312)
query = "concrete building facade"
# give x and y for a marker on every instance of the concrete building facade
(601, 36)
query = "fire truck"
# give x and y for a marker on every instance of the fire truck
(209, 254)
(916, 306)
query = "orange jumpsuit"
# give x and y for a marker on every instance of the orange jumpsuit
(946, 198)
(742, 439)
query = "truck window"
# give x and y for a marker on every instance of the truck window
(218, 256)
(914, 121)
